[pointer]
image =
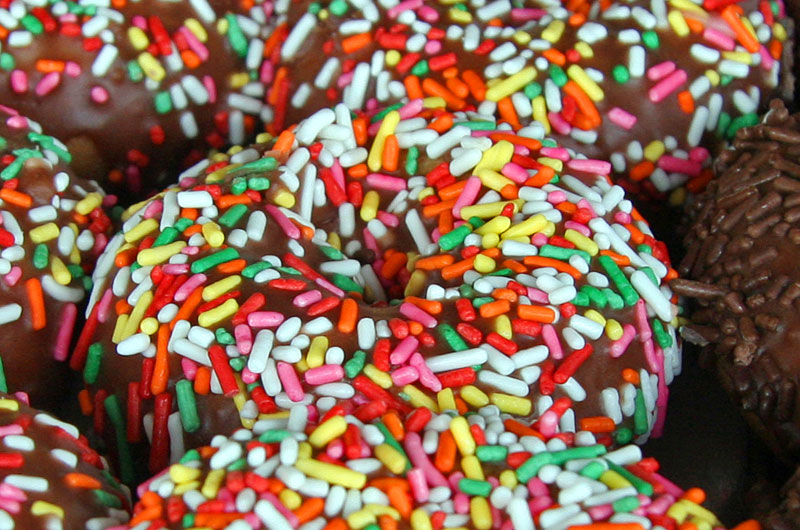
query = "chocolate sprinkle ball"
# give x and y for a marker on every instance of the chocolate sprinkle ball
(741, 270)
(50, 479)
(654, 86)
(137, 89)
(53, 229)
(410, 259)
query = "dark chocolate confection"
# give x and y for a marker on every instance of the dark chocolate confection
(50, 477)
(429, 261)
(652, 86)
(53, 229)
(138, 88)
(741, 269)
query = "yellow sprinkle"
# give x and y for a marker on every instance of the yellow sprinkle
(426, 192)
(380, 378)
(614, 480)
(217, 289)
(9, 404)
(75, 256)
(654, 150)
(553, 32)
(391, 458)
(275, 416)
(331, 473)
(460, 16)
(585, 51)
(416, 283)
(232, 150)
(494, 180)
(180, 473)
(263, 138)
(418, 398)
(151, 67)
(511, 84)
(511, 404)
(290, 499)
(522, 37)
(581, 241)
(392, 58)
(46, 508)
(434, 103)
(89, 203)
(677, 197)
(698, 511)
(188, 486)
(540, 113)
(678, 512)
(335, 241)
(60, 271)
(528, 227)
(316, 352)
(420, 520)
(549, 229)
(149, 325)
(613, 329)
(301, 366)
(474, 396)
(213, 234)
(591, 314)
(779, 32)
(480, 513)
(484, 264)
(304, 450)
(44, 232)
(388, 126)
(508, 479)
(462, 435)
(212, 483)
(137, 314)
(472, 468)
(490, 241)
(119, 328)
(554, 163)
(688, 5)
(239, 401)
(196, 28)
(502, 326)
(330, 429)
(498, 225)
(592, 89)
(214, 316)
(446, 399)
(739, 57)
(154, 256)
(369, 207)
(713, 76)
(678, 23)
(495, 157)
(284, 198)
(238, 80)
(489, 209)
(138, 38)
(361, 519)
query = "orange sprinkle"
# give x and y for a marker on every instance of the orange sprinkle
(775, 49)
(336, 524)
(232, 267)
(642, 170)
(445, 457)
(542, 177)
(585, 104)
(413, 87)
(457, 87)
(36, 300)
(161, 366)
(695, 26)
(189, 305)
(202, 380)
(598, 424)
(434, 307)
(348, 316)
(515, 266)
(686, 101)
(631, 376)
(687, 525)
(393, 422)
(619, 259)
(432, 210)
(696, 495)
(148, 514)
(520, 429)
(356, 42)
(49, 65)
(391, 153)
(453, 191)
(82, 481)
(442, 124)
(446, 222)
(434, 262)
(567, 207)
(360, 126)
(122, 307)
(636, 235)
(401, 501)
(530, 143)
(555, 56)
(750, 524)
(394, 264)
(310, 509)
(415, 328)
(457, 269)
(560, 266)
(189, 213)
(17, 198)
(743, 35)
(226, 201)
(536, 313)
(475, 83)
(505, 294)
(508, 113)
(190, 59)
(274, 93)
(436, 89)
(284, 142)
(496, 308)
(85, 402)
(386, 522)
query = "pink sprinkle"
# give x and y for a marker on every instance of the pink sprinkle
(515, 172)
(13, 276)
(267, 73)
(413, 312)
(72, 69)
(17, 122)
(537, 488)
(12, 429)
(461, 503)
(622, 118)
(291, 384)
(673, 164)
(433, 47)
(335, 449)
(699, 154)
(99, 94)
(307, 298)
(290, 516)
(601, 513)
(176, 268)
(408, 5)
(211, 88)
(619, 346)
(669, 486)
(403, 351)
(9, 506)
(189, 368)
(578, 227)
(48, 83)
(558, 123)
(389, 219)
(19, 81)
(426, 376)
(623, 217)
(370, 242)
(597, 167)
(249, 377)
(64, 337)
(550, 337)
(419, 459)
(548, 424)
(428, 14)
(190, 251)
(322, 282)
(667, 86)
(140, 22)
(153, 209)
(327, 373)
(526, 14)
(537, 295)
(195, 44)
(244, 338)
(411, 109)
(556, 197)
(346, 79)
(719, 39)
(188, 286)
(265, 319)
(661, 504)
(386, 182)
(419, 488)
(467, 195)
(555, 152)
(539, 504)
(104, 307)
(405, 376)
(766, 59)
(286, 225)
(586, 205)
(660, 70)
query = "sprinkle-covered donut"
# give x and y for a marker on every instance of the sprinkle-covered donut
(649, 85)
(53, 229)
(50, 478)
(412, 259)
(137, 88)
(442, 472)
(741, 269)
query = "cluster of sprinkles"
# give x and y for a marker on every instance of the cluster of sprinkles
(412, 260)
(198, 74)
(650, 85)
(52, 228)
(49, 476)
(424, 473)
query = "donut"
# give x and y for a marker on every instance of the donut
(415, 258)
(655, 87)
(740, 270)
(53, 228)
(138, 88)
(440, 473)
(50, 477)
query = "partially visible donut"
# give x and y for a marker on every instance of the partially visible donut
(53, 229)
(652, 86)
(138, 88)
(414, 258)
(50, 478)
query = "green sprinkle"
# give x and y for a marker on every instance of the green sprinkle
(452, 337)
(531, 467)
(455, 238)
(162, 102)
(166, 237)
(212, 260)
(558, 75)
(3, 382)
(621, 74)
(331, 252)
(421, 68)
(338, 7)
(650, 39)
(188, 520)
(190, 456)
(235, 36)
(629, 294)
(581, 299)
(625, 504)
(623, 436)
(274, 436)
(32, 24)
(107, 499)
(466, 291)
(652, 275)
(746, 120)
(183, 223)
(22, 155)
(238, 465)
(726, 79)
(224, 336)
(662, 337)
(92, 367)
(238, 186)
(479, 125)
(533, 90)
(481, 300)
(238, 363)
(354, 366)
(491, 453)
(382, 114)
(49, 143)
(563, 254)
(7, 61)
(642, 486)
(347, 284)
(266, 163)
(596, 296)
(590, 451)
(615, 301)
(723, 123)
(314, 8)
(233, 215)
(114, 412)
(411, 160)
(639, 414)
(251, 270)
(187, 405)
(644, 248)
(593, 470)
(480, 488)
(41, 256)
